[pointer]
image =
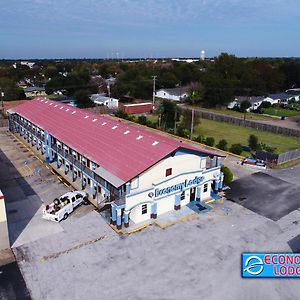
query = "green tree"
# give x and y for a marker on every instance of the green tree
(222, 145)
(228, 176)
(245, 104)
(142, 120)
(236, 149)
(253, 142)
(167, 111)
(209, 141)
(82, 99)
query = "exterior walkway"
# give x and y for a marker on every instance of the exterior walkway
(163, 221)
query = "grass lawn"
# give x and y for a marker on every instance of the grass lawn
(233, 113)
(235, 134)
(281, 112)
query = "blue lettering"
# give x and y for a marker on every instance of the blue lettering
(179, 186)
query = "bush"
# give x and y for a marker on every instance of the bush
(142, 120)
(236, 149)
(228, 176)
(209, 141)
(200, 138)
(253, 141)
(222, 145)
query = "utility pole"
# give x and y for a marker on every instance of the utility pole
(175, 119)
(153, 96)
(192, 124)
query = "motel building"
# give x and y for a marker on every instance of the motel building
(137, 172)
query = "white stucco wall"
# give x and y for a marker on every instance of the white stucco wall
(165, 95)
(184, 168)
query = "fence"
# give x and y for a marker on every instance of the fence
(278, 158)
(247, 123)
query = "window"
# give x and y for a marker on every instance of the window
(73, 199)
(205, 188)
(78, 196)
(182, 196)
(168, 172)
(144, 209)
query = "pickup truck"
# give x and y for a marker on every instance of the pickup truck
(61, 207)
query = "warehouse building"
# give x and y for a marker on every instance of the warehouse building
(139, 172)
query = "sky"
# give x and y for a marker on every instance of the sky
(148, 28)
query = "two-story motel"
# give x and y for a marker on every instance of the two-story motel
(140, 172)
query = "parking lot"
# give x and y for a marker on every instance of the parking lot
(82, 257)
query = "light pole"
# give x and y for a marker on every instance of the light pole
(2, 104)
(153, 96)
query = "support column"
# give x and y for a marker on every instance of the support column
(218, 161)
(127, 188)
(221, 182)
(119, 218)
(211, 162)
(177, 205)
(216, 188)
(113, 218)
(198, 193)
(126, 219)
(154, 210)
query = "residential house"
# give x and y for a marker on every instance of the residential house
(174, 94)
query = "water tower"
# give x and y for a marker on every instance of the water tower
(202, 55)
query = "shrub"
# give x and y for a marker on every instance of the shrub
(228, 176)
(236, 149)
(200, 138)
(253, 141)
(222, 145)
(209, 141)
(142, 120)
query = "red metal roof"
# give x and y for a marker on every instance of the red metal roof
(124, 149)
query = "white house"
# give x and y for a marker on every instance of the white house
(101, 99)
(174, 94)
(255, 101)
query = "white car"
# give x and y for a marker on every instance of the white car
(61, 207)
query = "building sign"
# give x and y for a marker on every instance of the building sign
(179, 186)
(272, 265)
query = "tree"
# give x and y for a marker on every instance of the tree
(196, 92)
(253, 142)
(167, 110)
(222, 145)
(82, 99)
(209, 141)
(245, 104)
(236, 149)
(142, 120)
(228, 176)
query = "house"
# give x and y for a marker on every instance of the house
(34, 91)
(174, 94)
(101, 99)
(255, 101)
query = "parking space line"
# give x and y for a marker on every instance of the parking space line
(56, 255)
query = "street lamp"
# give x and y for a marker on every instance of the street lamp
(2, 104)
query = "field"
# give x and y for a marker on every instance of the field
(236, 134)
(233, 113)
(281, 112)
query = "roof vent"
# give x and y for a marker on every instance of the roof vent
(126, 132)
(155, 143)
(74, 112)
(103, 123)
(95, 120)
(86, 117)
(114, 127)
(61, 107)
(55, 105)
(67, 109)
(51, 103)
(46, 101)
(42, 100)
(139, 137)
